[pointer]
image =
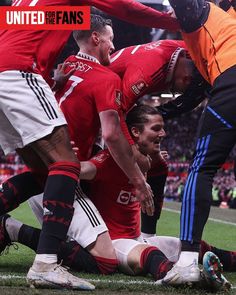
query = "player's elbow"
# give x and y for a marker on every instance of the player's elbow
(111, 137)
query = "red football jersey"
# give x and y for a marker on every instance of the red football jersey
(33, 51)
(91, 89)
(113, 196)
(36, 51)
(144, 69)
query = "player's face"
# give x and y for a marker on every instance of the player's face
(106, 46)
(182, 76)
(150, 138)
(180, 84)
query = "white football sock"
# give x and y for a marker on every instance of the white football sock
(46, 258)
(13, 227)
(186, 258)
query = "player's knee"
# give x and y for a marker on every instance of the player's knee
(102, 247)
(133, 258)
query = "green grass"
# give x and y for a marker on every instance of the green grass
(16, 263)
(219, 235)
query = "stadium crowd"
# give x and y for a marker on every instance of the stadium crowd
(179, 142)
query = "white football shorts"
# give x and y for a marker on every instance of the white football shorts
(28, 110)
(87, 223)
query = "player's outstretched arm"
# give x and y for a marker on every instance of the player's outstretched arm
(134, 12)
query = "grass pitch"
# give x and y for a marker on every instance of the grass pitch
(221, 232)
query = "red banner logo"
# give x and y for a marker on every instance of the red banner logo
(45, 18)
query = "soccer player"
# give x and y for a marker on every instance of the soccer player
(119, 209)
(153, 67)
(36, 129)
(87, 106)
(209, 34)
(156, 67)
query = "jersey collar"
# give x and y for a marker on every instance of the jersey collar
(86, 56)
(172, 63)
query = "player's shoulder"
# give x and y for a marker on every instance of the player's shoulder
(69, 62)
(87, 67)
(162, 45)
(71, 58)
(142, 53)
(107, 73)
(163, 50)
(174, 43)
(81, 66)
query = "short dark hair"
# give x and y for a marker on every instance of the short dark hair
(137, 116)
(97, 23)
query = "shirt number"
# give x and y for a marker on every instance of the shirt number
(76, 80)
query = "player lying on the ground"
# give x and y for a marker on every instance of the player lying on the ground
(114, 197)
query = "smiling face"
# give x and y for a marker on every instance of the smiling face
(106, 46)
(150, 136)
